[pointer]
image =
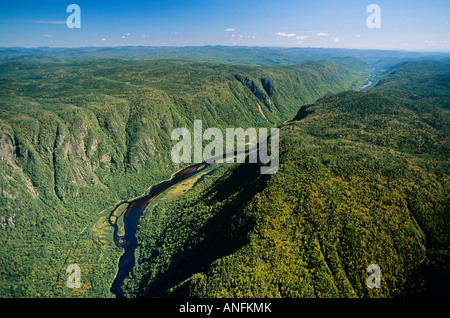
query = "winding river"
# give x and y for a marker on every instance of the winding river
(133, 213)
(131, 219)
(369, 82)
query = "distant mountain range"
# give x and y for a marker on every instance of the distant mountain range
(379, 59)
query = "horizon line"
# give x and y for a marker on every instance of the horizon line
(222, 45)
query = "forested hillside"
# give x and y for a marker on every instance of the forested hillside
(240, 55)
(363, 180)
(77, 137)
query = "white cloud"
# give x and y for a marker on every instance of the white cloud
(123, 36)
(337, 39)
(229, 30)
(302, 37)
(128, 33)
(49, 22)
(321, 34)
(48, 35)
(358, 35)
(300, 42)
(103, 39)
(285, 34)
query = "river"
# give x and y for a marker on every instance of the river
(369, 82)
(131, 219)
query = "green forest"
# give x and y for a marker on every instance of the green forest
(363, 180)
(363, 176)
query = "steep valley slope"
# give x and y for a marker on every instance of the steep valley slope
(363, 180)
(77, 137)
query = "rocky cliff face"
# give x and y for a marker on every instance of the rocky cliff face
(80, 134)
(78, 137)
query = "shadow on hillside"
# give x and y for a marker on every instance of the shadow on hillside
(223, 234)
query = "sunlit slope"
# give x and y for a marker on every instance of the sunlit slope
(424, 84)
(78, 137)
(363, 180)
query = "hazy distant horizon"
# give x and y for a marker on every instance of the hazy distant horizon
(225, 46)
(403, 25)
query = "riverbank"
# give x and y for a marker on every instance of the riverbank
(369, 83)
(130, 212)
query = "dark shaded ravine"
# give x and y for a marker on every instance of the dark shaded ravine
(131, 219)
(132, 215)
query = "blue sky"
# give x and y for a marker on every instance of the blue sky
(405, 25)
